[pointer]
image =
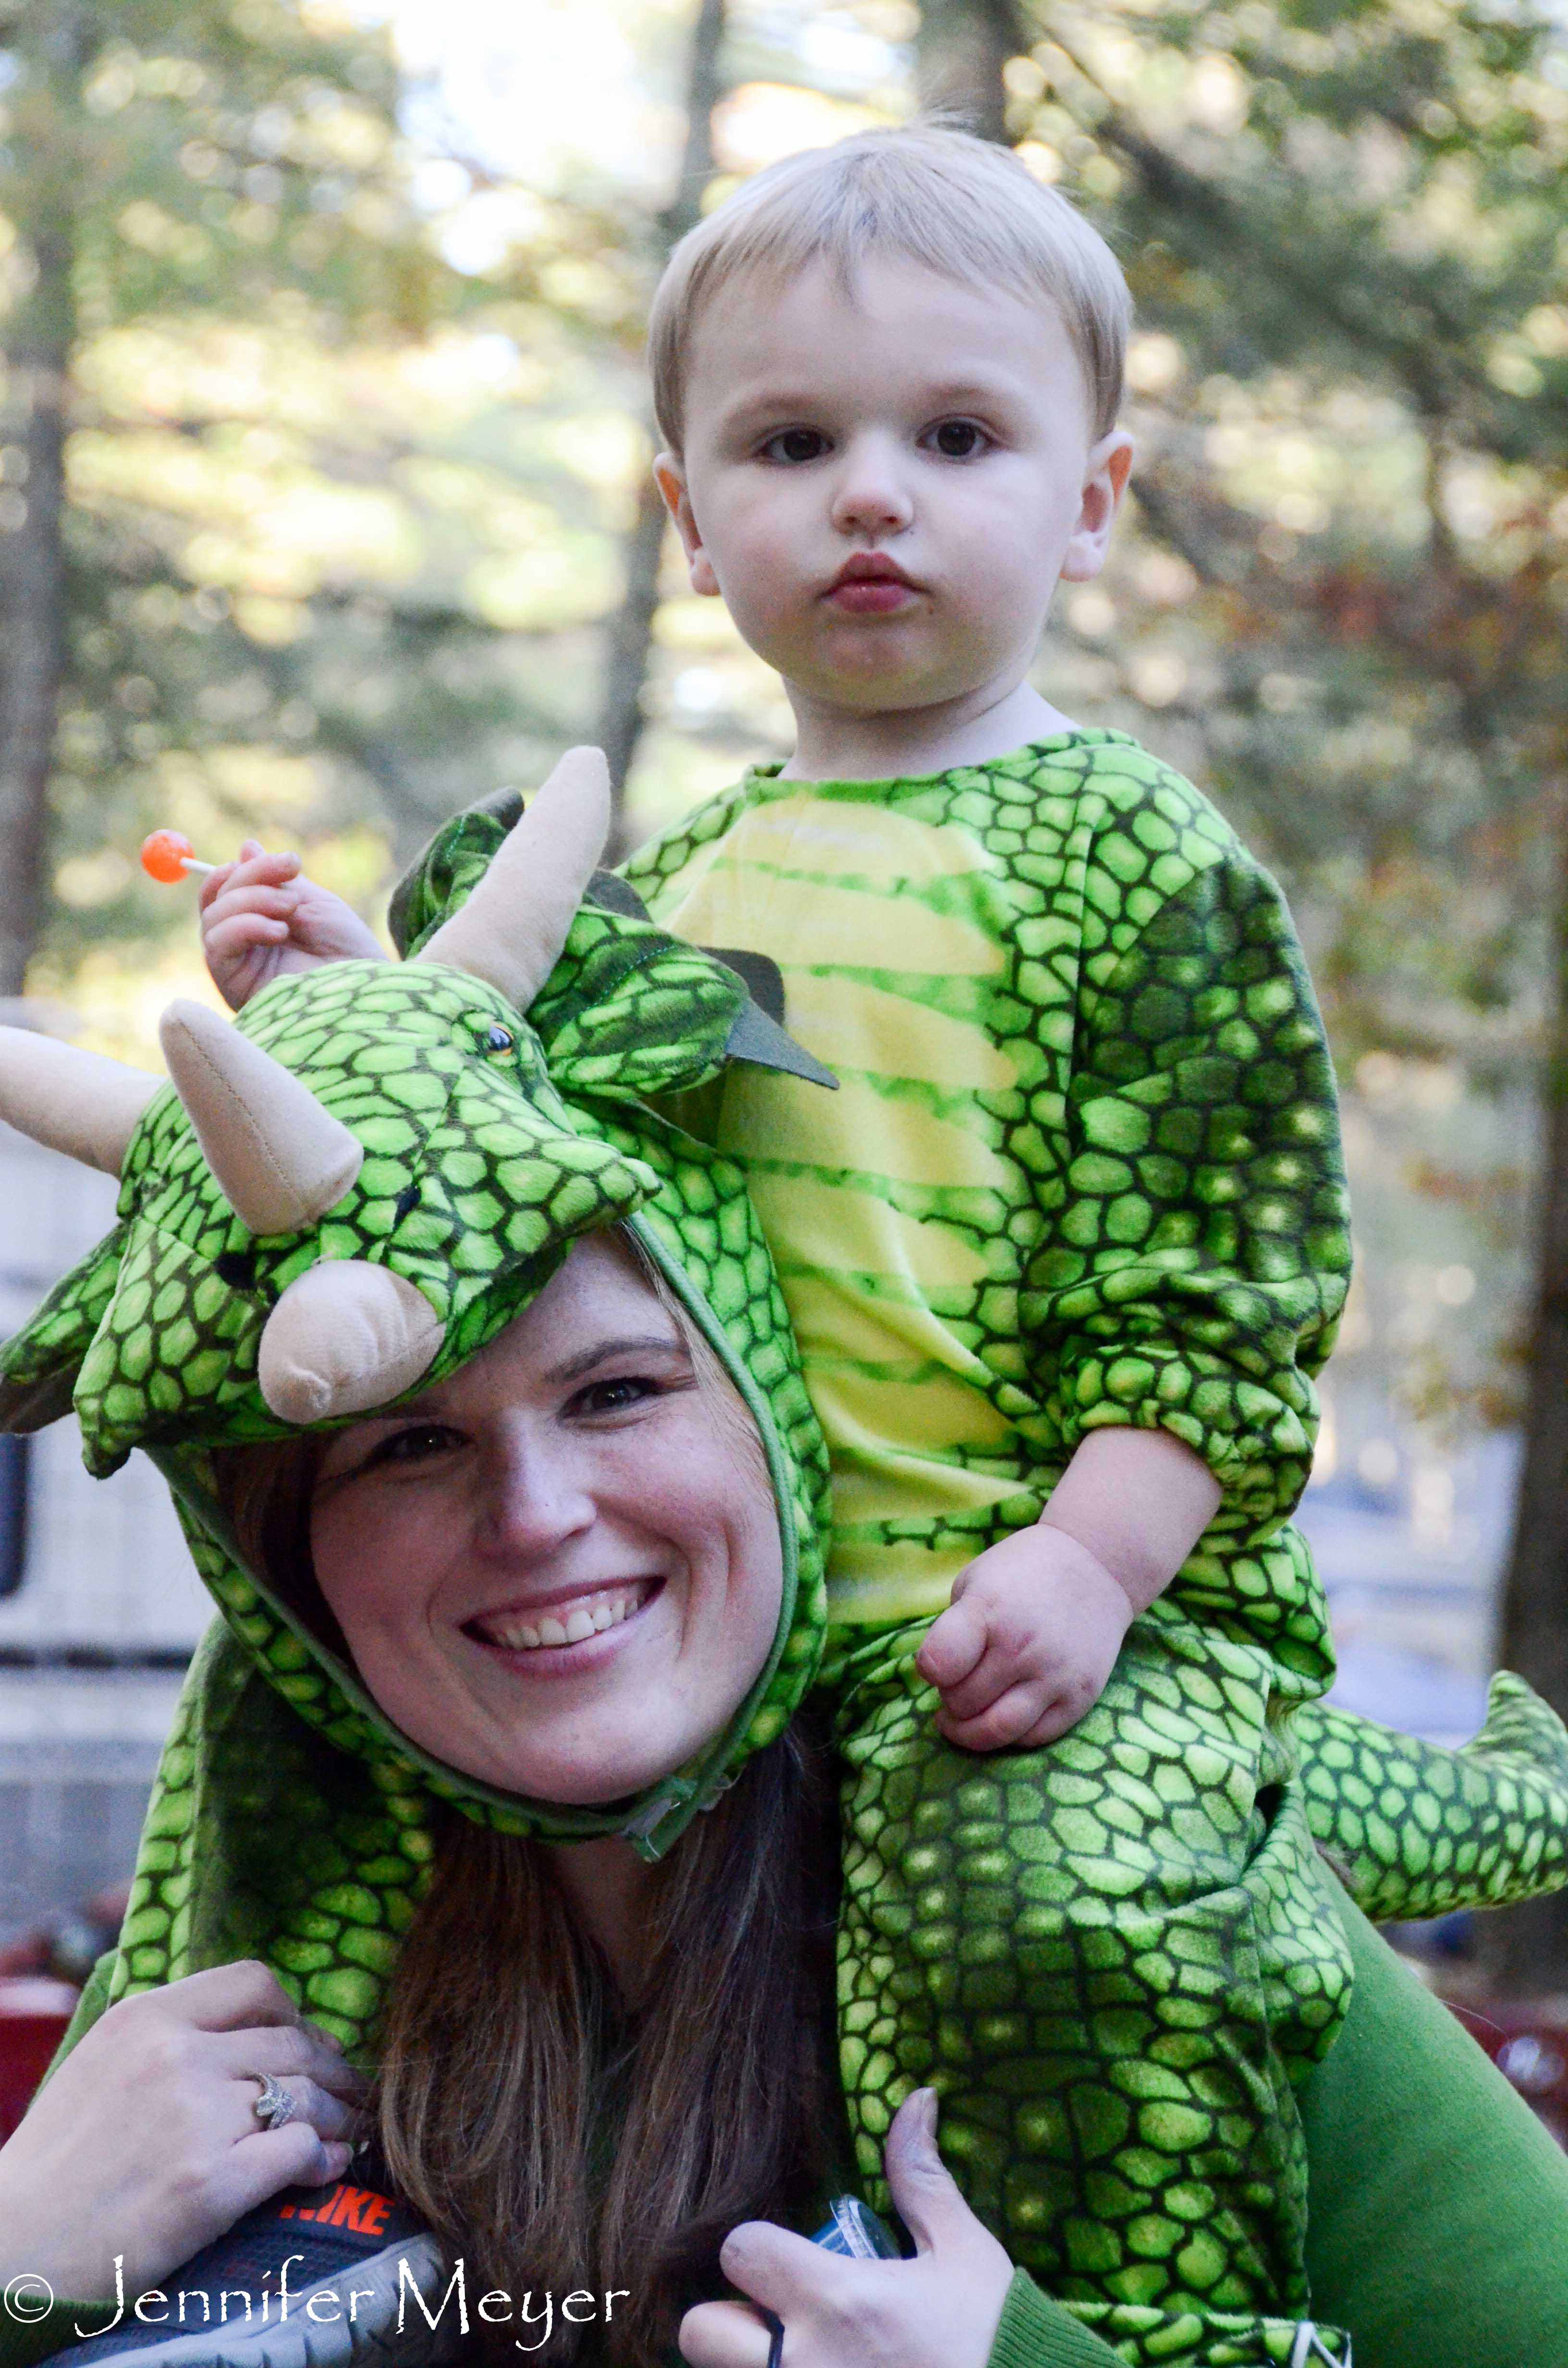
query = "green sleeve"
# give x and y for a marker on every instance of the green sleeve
(1438, 2232)
(90, 2006)
(1198, 1254)
(1035, 2332)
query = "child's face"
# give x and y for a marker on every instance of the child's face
(886, 487)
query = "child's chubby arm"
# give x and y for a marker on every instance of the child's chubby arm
(261, 918)
(1036, 1623)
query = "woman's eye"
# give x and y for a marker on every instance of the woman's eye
(795, 445)
(959, 440)
(417, 1444)
(615, 1396)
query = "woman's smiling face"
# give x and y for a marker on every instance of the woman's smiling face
(559, 1570)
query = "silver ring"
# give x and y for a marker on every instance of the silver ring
(275, 2105)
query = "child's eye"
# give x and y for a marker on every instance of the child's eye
(793, 445)
(959, 440)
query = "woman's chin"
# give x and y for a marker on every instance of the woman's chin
(573, 1754)
(587, 1773)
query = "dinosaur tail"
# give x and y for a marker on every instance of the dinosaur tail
(1417, 1831)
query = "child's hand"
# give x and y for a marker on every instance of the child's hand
(1027, 1644)
(261, 918)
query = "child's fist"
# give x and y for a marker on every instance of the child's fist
(1027, 1644)
(261, 918)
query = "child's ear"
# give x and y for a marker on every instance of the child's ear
(670, 478)
(1105, 482)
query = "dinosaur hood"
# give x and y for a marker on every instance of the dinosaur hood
(336, 1200)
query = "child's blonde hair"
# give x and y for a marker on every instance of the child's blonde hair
(931, 196)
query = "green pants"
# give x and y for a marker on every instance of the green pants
(1115, 1959)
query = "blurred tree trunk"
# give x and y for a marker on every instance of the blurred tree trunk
(961, 49)
(631, 627)
(57, 39)
(1527, 1947)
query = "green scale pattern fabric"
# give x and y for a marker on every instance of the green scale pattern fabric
(288, 1821)
(1084, 1169)
(1081, 1906)
(1099, 1953)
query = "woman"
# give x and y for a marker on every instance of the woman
(625, 1488)
(301, 1806)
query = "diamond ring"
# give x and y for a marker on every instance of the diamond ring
(275, 2105)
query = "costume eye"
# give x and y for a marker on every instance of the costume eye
(497, 1038)
(794, 445)
(959, 440)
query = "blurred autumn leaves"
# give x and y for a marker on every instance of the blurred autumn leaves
(341, 522)
(303, 528)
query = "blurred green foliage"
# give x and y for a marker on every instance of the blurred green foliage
(1346, 228)
(1342, 600)
(339, 518)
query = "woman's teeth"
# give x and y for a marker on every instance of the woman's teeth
(591, 1617)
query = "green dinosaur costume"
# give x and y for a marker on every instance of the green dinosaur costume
(1115, 2095)
(472, 1181)
(1083, 1169)
(1112, 1957)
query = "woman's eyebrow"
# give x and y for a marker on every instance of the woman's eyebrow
(631, 1343)
(628, 1344)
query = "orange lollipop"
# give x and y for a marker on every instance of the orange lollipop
(167, 855)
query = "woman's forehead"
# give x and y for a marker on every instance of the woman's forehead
(597, 1304)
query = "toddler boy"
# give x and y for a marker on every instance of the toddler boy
(1061, 1252)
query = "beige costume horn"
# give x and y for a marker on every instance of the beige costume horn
(71, 1101)
(346, 1336)
(512, 928)
(278, 1158)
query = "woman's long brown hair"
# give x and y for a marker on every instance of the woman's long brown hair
(556, 2134)
(560, 2137)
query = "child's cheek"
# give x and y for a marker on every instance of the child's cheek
(765, 589)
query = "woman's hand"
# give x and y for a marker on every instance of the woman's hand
(145, 2143)
(938, 2311)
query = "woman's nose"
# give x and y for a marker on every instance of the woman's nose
(870, 496)
(535, 1498)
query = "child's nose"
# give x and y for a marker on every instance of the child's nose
(871, 496)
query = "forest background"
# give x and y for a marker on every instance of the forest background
(324, 508)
